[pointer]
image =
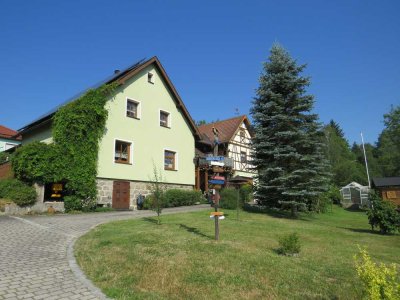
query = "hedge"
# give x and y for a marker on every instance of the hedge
(17, 191)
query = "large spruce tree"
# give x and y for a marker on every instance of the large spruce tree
(288, 143)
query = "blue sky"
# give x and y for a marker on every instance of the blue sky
(212, 50)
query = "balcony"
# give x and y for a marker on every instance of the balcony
(221, 161)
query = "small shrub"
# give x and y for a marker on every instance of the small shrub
(228, 198)
(89, 205)
(289, 244)
(17, 191)
(72, 203)
(380, 282)
(322, 203)
(148, 202)
(383, 214)
(176, 197)
(246, 193)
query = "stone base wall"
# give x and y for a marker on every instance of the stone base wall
(105, 190)
(39, 207)
(13, 209)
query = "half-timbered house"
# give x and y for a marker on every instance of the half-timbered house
(228, 138)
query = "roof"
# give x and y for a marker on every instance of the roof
(227, 129)
(386, 181)
(8, 133)
(353, 184)
(121, 77)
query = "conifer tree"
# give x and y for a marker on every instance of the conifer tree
(288, 144)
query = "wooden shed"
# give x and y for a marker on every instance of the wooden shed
(388, 188)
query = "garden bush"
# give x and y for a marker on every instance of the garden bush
(383, 214)
(228, 198)
(246, 193)
(17, 191)
(289, 244)
(72, 203)
(380, 282)
(175, 198)
(148, 202)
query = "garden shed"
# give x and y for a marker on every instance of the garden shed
(388, 188)
(355, 194)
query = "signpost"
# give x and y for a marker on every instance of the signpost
(215, 158)
(217, 163)
(213, 181)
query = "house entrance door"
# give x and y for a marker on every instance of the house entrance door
(120, 199)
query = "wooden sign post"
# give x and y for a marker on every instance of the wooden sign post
(217, 162)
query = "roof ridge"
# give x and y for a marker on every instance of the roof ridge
(225, 120)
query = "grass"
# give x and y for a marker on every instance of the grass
(179, 259)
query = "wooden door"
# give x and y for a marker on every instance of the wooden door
(120, 198)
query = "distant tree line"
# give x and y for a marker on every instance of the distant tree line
(347, 162)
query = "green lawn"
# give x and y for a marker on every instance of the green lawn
(179, 259)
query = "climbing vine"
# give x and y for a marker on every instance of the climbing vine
(77, 129)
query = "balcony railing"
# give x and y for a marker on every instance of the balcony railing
(226, 161)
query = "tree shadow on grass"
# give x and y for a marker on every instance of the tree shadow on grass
(195, 231)
(277, 213)
(361, 230)
(354, 208)
(150, 220)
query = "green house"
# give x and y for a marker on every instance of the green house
(148, 125)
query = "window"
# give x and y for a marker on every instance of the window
(169, 160)
(132, 109)
(164, 119)
(242, 136)
(150, 77)
(243, 157)
(122, 152)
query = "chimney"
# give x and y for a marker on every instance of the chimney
(117, 71)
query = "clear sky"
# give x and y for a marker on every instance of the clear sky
(212, 50)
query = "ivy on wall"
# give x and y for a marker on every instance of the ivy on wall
(72, 157)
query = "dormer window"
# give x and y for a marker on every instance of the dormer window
(150, 77)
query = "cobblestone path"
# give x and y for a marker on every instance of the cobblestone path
(36, 254)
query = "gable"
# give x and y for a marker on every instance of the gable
(122, 78)
(226, 128)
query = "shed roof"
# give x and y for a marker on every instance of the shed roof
(386, 181)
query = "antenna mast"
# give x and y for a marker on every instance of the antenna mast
(365, 158)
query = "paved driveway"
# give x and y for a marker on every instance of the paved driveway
(36, 254)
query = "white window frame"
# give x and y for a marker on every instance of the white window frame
(169, 125)
(130, 152)
(150, 77)
(176, 159)
(7, 146)
(139, 108)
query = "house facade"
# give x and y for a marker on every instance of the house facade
(8, 138)
(148, 127)
(233, 137)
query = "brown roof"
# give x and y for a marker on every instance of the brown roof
(227, 129)
(8, 133)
